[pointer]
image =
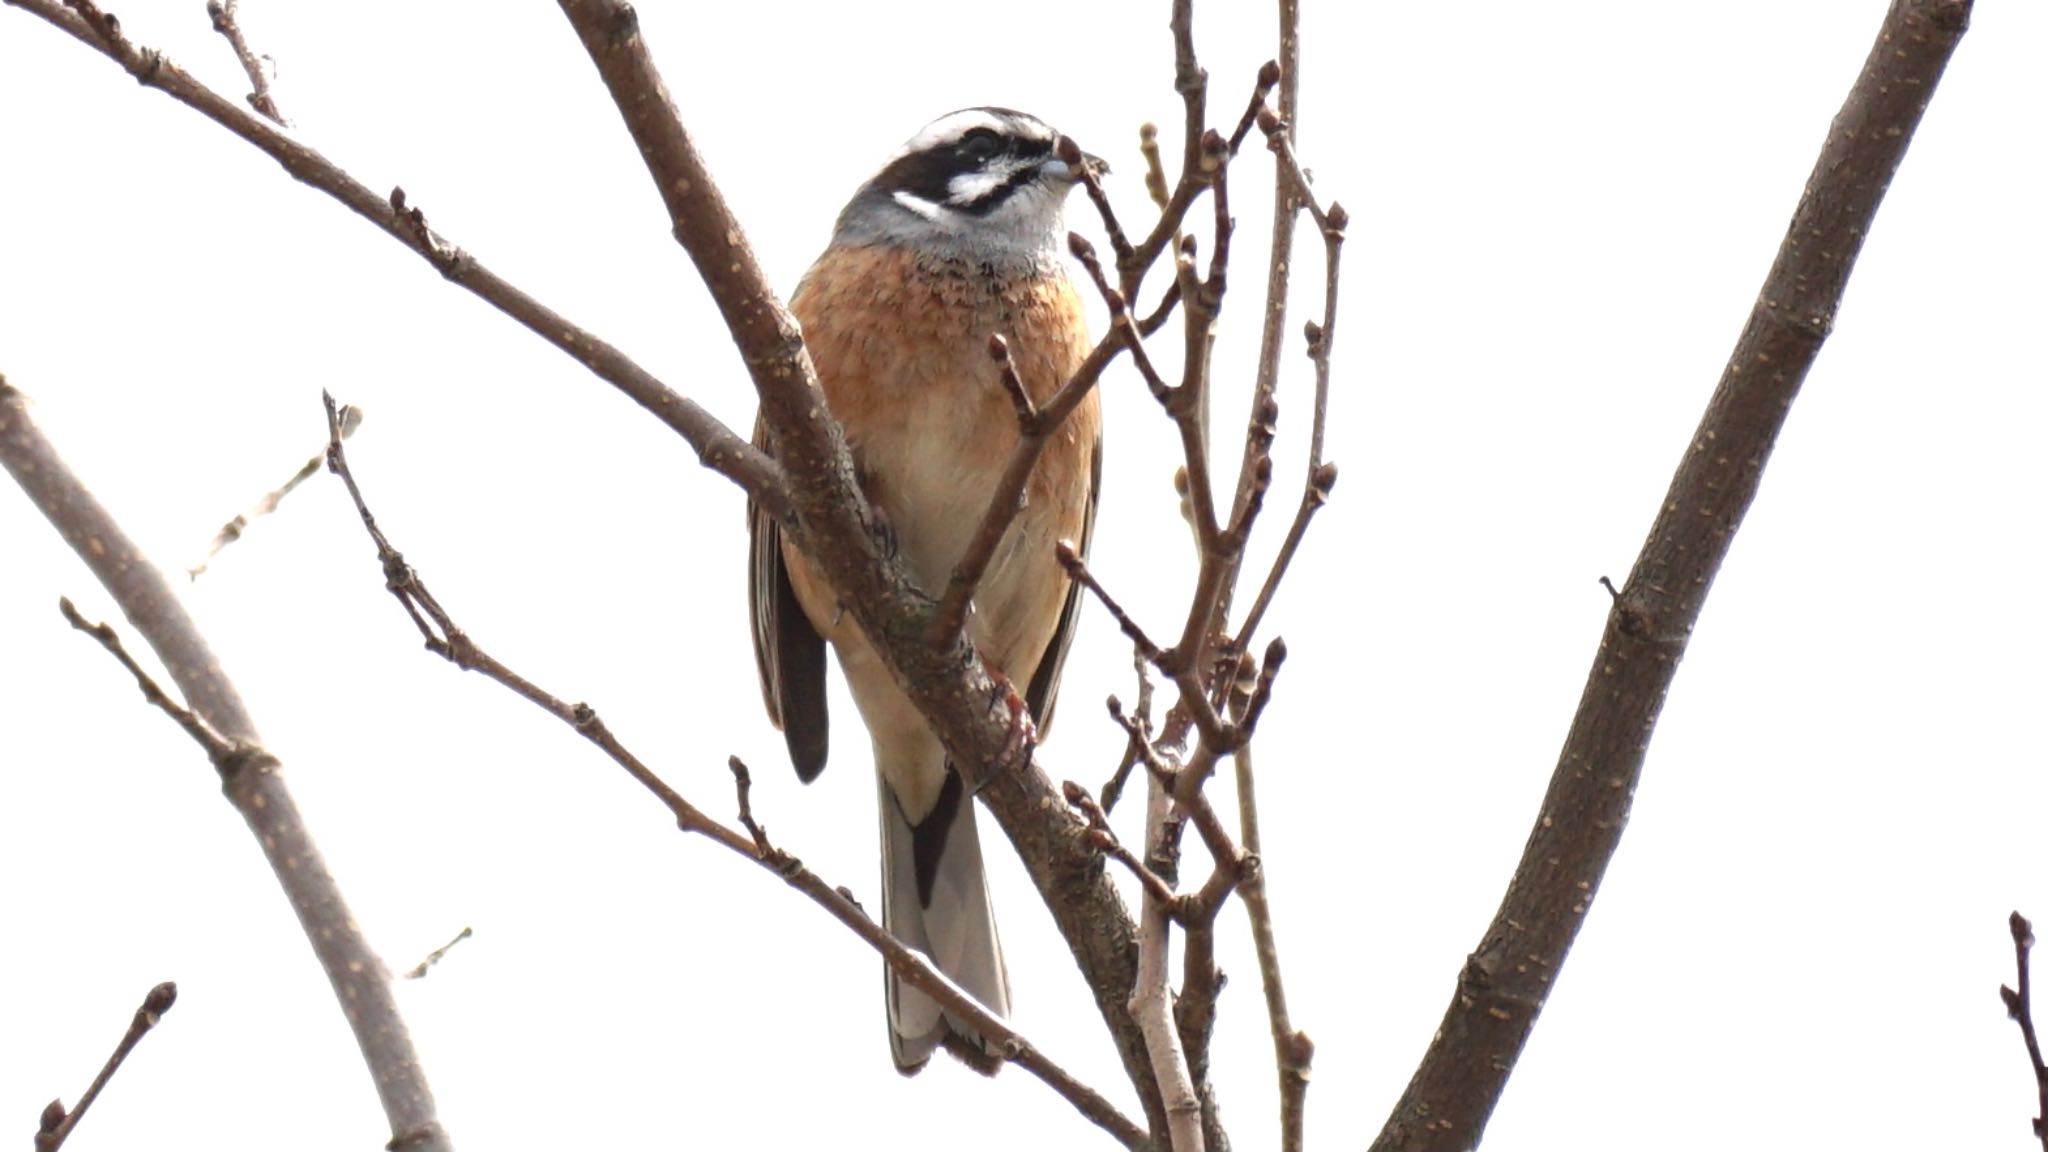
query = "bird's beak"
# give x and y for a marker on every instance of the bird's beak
(1079, 163)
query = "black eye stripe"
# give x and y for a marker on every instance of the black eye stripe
(928, 174)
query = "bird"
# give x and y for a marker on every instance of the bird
(960, 236)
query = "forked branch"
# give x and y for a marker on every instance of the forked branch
(249, 779)
(2019, 1004)
(446, 639)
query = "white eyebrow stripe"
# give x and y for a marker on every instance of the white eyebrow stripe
(952, 128)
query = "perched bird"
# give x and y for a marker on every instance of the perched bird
(959, 237)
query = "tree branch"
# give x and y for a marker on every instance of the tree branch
(446, 639)
(1508, 976)
(253, 783)
(830, 520)
(57, 1124)
(2019, 1004)
(1035, 428)
(716, 445)
(225, 22)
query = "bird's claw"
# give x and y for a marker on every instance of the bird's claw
(1023, 735)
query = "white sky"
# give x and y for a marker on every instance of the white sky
(1561, 217)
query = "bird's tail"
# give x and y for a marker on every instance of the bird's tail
(935, 899)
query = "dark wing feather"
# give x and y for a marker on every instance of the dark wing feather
(1045, 683)
(788, 652)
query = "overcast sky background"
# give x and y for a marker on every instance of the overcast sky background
(1561, 217)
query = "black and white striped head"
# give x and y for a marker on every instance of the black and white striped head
(982, 184)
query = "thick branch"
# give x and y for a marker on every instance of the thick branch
(830, 520)
(1509, 974)
(445, 639)
(254, 786)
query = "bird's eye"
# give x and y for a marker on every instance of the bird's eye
(980, 144)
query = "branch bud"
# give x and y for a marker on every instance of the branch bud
(1323, 479)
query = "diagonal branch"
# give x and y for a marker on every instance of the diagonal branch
(1510, 972)
(717, 446)
(831, 521)
(254, 785)
(1035, 428)
(446, 639)
(2019, 1004)
(57, 1124)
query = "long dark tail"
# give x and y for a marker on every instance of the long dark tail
(935, 899)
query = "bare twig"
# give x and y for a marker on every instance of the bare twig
(447, 640)
(1036, 424)
(57, 1124)
(225, 23)
(743, 788)
(1321, 475)
(251, 783)
(219, 749)
(1293, 1052)
(717, 446)
(1077, 570)
(1106, 839)
(2019, 1004)
(1509, 974)
(1269, 75)
(1152, 995)
(351, 419)
(419, 970)
(1141, 721)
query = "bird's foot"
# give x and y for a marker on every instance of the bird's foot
(1023, 730)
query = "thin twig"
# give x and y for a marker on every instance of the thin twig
(1113, 788)
(743, 788)
(351, 419)
(57, 1124)
(1106, 839)
(1152, 995)
(419, 970)
(2019, 1004)
(1292, 1050)
(1269, 75)
(1503, 985)
(446, 639)
(1321, 476)
(251, 783)
(225, 23)
(230, 757)
(717, 446)
(1193, 85)
(1077, 571)
(1036, 425)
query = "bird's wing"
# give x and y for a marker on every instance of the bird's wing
(788, 652)
(1045, 683)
